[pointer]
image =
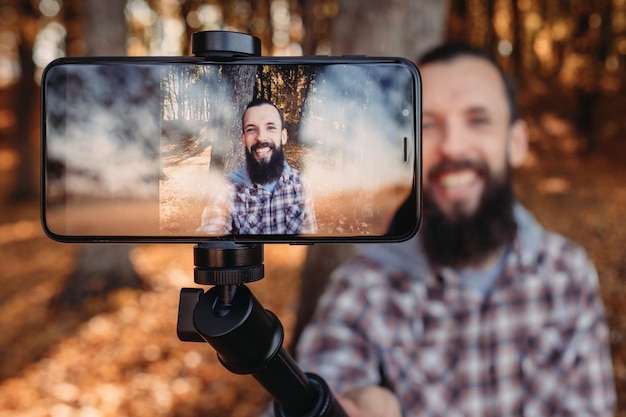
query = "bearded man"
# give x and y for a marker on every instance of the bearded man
(484, 312)
(266, 196)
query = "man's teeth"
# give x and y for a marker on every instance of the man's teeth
(262, 151)
(457, 179)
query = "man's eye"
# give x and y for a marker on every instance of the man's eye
(479, 121)
(428, 125)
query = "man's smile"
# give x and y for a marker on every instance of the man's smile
(458, 179)
(262, 150)
(457, 184)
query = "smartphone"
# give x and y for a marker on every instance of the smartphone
(245, 149)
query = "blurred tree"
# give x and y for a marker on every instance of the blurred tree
(591, 33)
(104, 27)
(407, 29)
(101, 268)
(26, 182)
(516, 34)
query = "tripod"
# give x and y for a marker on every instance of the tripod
(248, 339)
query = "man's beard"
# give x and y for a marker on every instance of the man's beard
(265, 172)
(462, 239)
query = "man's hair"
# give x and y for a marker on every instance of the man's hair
(259, 101)
(450, 51)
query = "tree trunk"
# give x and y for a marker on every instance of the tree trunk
(403, 28)
(104, 27)
(26, 181)
(406, 28)
(101, 268)
(518, 44)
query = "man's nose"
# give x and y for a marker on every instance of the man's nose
(453, 141)
(261, 135)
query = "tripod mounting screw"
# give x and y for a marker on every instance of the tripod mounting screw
(227, 263)
(229, 277)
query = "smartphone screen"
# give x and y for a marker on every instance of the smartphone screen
(253, 149)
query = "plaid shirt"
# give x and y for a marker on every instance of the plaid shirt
(246, 208)
(536, 345)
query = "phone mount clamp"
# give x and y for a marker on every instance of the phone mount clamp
(248, 339)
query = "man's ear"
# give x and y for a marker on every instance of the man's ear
(518, 144)
(283, 136)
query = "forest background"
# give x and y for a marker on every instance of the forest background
(101, 353)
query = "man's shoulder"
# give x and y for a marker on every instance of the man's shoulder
(291, 174)
(553, 258)
(386, 262)
(536, 241)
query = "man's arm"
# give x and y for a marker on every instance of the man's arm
(338, 346)
(217, 215)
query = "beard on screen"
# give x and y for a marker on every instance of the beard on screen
(265, 172)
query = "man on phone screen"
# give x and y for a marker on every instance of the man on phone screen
(266, 196)
(484, 312)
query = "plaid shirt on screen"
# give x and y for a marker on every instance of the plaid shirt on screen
(535, 345)
(246, 208)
